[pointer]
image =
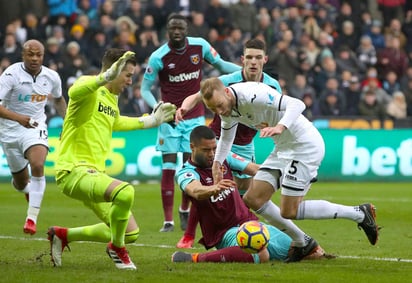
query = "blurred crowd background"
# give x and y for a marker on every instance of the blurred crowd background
(341, 57)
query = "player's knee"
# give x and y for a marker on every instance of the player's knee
(37, 167)
(249, 201)
(131, 237)
(252, 200)
(125, 195)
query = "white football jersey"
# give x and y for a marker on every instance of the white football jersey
(258, 106)
(25, 94)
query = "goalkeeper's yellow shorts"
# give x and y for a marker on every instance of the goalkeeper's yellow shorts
(88, 186)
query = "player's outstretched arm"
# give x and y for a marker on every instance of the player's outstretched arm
(188, 104)
(226, 67)
(198, 191)
(147, 93)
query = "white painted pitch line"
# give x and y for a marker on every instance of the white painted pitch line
(376, 258)
(82, 242)
(389, 259)
(373, 199)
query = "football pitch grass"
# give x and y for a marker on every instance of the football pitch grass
(26, 258)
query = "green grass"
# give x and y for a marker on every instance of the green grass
(26, 259)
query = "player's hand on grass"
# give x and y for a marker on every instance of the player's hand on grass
(114, 71)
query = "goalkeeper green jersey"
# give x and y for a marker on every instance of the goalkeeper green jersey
(92, 115)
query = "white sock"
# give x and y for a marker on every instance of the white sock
(182, 210)
(32, 213)
(36, 193)
(271, 213)
(322, 209)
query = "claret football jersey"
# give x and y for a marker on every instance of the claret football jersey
(180, 71)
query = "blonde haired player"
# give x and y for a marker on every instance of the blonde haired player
(292, 165)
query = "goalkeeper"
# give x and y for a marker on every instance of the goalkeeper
(92, 116)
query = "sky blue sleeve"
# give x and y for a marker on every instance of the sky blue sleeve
(231, 78)
(186, 175)
(154, 65)
(212, 57)
(237, 162)
(146, 92)
(226, 67)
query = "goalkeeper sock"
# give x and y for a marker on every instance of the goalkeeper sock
(119, 213)
(97, 233)
(322, 209)
(271, 213)
(93, 233)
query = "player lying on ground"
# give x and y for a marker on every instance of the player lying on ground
(220, 208)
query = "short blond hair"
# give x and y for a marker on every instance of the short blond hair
(208, 86)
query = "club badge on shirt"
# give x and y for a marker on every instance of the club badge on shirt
(195, 59)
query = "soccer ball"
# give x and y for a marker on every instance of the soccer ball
(252, 237)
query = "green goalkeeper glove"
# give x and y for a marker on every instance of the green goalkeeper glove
(114, 71)
(162, 112)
